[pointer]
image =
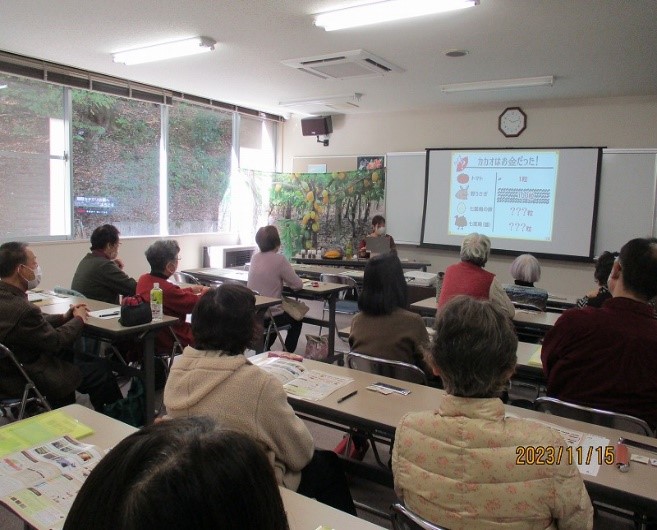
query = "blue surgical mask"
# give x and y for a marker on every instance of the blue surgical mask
(381, 230)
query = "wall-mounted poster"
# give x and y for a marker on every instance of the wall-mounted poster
(369, 162)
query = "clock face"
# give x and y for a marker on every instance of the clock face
(512, 122)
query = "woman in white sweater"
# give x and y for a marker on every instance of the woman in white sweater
(215, 379)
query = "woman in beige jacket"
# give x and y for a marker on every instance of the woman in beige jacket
(215, 379)
(458, 466)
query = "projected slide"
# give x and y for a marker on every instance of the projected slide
(504, 194)
(537, 200)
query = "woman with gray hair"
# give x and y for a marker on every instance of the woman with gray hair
(469, 277)
(526, 270)
(457, 466)
(163, 258)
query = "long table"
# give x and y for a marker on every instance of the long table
(524, 320)
(323, 291)
(358, 263)
(303, 513)
(416, 291)
(111, 330)
(380, 414)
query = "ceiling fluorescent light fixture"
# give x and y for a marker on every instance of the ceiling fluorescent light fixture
(167, 50)
(386, 11)
(500, 84)
(3, 86)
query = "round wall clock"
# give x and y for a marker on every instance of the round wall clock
(512, 122)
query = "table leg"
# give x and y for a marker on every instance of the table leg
(331, 327)
(260, 340)
(149, 375)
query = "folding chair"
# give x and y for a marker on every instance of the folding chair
(275, 328)
(9, 403)
(342, 306)
(385, 367)
(404, 519)
(606, 418)
(429, 322)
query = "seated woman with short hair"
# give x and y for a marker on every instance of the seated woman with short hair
(526, 270)
(268, 273)
(163, 257)
(469, 277)
(183, 473)
(456, 466)
(214, 378)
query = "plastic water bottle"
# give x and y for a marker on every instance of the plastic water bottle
(156, 302)
(350, 250)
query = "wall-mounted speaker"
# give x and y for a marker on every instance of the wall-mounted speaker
(316, 126)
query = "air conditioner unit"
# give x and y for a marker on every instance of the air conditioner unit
(344, 65)
(226, 256)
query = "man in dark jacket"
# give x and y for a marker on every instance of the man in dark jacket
(100, 275)
(607, 357)
(44, 343)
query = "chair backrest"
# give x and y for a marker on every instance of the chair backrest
(523, 297)
(341, 279)
(395, 369)
(183, 277)
(67, 291)
(606, 418)
(527, 307)
(404, 519)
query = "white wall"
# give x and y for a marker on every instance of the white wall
(622, 122)
(60, 259)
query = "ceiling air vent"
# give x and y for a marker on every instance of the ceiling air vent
(344, 65)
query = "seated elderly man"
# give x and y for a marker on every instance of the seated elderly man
(163, 258)
(469, 277)
(100, 275)
(44, 343)
(607, 357)
(456, 465)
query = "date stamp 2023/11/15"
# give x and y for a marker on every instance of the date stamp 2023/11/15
(539, 455)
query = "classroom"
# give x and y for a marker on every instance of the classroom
(602, 92)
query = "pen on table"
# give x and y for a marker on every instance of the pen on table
(344, 398)
(109, 314)
(640, 445)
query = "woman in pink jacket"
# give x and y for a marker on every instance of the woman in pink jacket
(268, 273)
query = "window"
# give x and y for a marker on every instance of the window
(34, 191)
(200, 143)
(116, 164)
(88, 152)
(257, 152)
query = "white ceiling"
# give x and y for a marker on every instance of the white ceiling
(594, 48)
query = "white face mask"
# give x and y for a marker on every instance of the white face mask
(34, 282)
(381, 231)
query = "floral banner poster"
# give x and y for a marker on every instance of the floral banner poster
(369, 162)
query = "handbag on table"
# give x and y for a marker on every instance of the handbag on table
(135, 311)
